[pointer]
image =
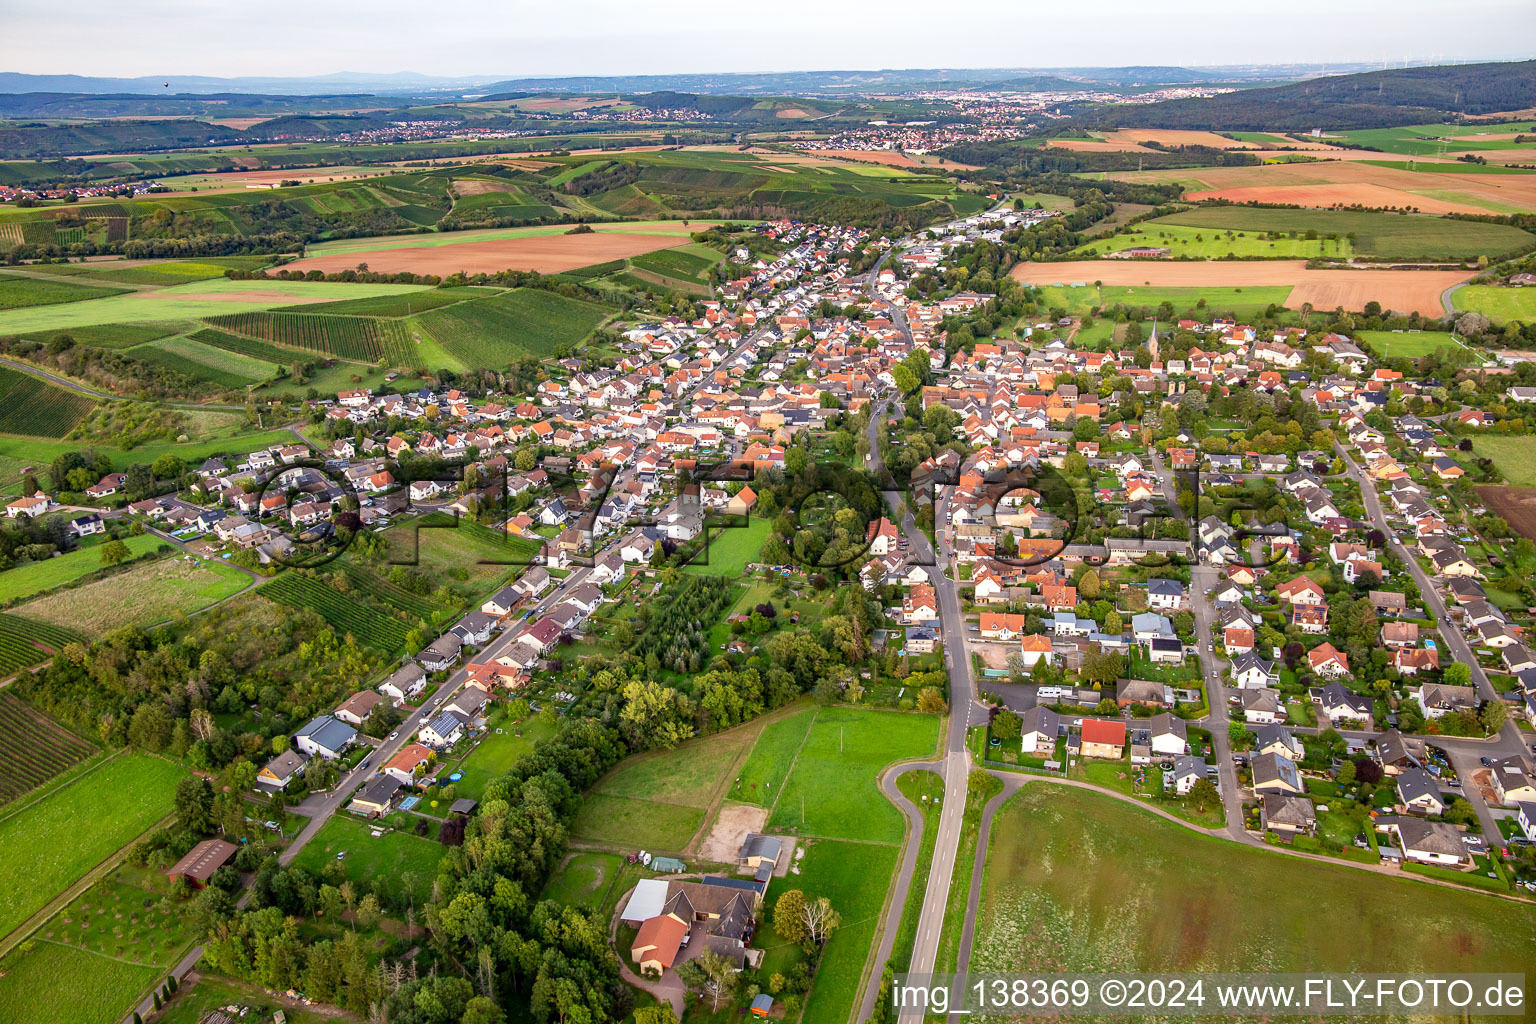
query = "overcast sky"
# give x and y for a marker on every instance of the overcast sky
(515, 38)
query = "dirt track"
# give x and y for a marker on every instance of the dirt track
(1402, 290)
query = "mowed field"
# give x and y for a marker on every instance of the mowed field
(1500, 305)
(1404, 291)
(1515, 457)
(1356, 182)
(1077, 882)
(549, 254)
(1411, 344)
(46, 844)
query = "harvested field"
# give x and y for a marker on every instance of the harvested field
(1515, 505)
(1364, 183)
(871, 156)
(1404, 290)
(549, 254)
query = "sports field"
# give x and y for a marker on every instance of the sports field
(1501, 305)
(1412, 344)
(1076, 881)
(1403, 291)
(187, 301)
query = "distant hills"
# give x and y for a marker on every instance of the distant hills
(1373, 99)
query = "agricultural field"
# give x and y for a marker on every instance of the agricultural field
(355, 338)
(114, 336)
(49, 983)
(1244, 302)
(143, 595)
(831, 792)
(1324, 289)
(1378, 235)
(215, 365)
(657, 800)
(18, 292)
(496, 331)
(33, 748)
(1515, 457)
(730, 549)
(347, 616)
(1501, 305)
(31, 405)
(1411, 344)
(1437, 139)
(1186, 242)
(24, 643)
(392, 305)
(1076, 881)
(49, 842)
(135, 272)
(761, 778)
(1515, 505)
(36, 577)
(189, 302)
(385, 859)
(545, 253)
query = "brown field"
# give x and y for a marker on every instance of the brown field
(548, 254)
(1515, 505)
(1401, 290)
(480, 186)
(872, 156)
(786, 113)
(234, 181)
(1369, 185)
(1169, 137)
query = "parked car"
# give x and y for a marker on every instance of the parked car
(1485, 762)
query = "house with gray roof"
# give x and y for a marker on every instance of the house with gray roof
(1287, 814)
(325, 736)
(1275, 773)
(1419, 791)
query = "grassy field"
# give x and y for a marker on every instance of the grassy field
(143, 595)
(16, 452)
(1078, 882)
(196, 358)
(49, 983)
(189, 301)
(831, 791)
(1424, 139)
(1405, 343)
(363, 245)
(36, 577)
(637, 824)
(1383, 235)
(854, 876)
(761, 778)
(1210, 244)
(436, 544)
(17, 292)
(583, 880)
(730, 549)
(138, 929)
(31, 405)
(1500, 305)
(1239, 302)
(499, 330)
(1515, 457)
(48, 843)
(386, 858)
(503, 745)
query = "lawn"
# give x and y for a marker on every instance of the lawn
(1500, 305)
(730, 549)
(45, 845)
(189, 301)
(832, 790)
(1239, 302)
(636, 824)
(142, 595)
(1411, 344)
(584, 880)
(1514, 456)
(1079, 882)
(503, 745)
(387, 858)
(854, 876)
(53, 984)
(17, 292)
(36, 577)
(440, 544)
(761, 778)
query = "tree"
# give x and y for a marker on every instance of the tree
(661, 1013)
(820, 920)
(1457, 674)
(931, 702)
(194, 804)
(1088, 585)
(789, 916)
(710, 971)
(1203, 794)
(525, 460)
(369, 911)
(114, 552)
(1493, 716)
(1346, 775)
(1006, 725)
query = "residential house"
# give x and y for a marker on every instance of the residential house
(325, 736)
(1102, 738)
(446, 729)
(1276, 773)
(404, 683)
(1419, 791)
(1427, 842)
(404, 764)
(1285, 814)
(356, 709)
(277, 773)
(378, 797)
(1337, 704)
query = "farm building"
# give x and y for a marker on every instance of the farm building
(202, 861)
